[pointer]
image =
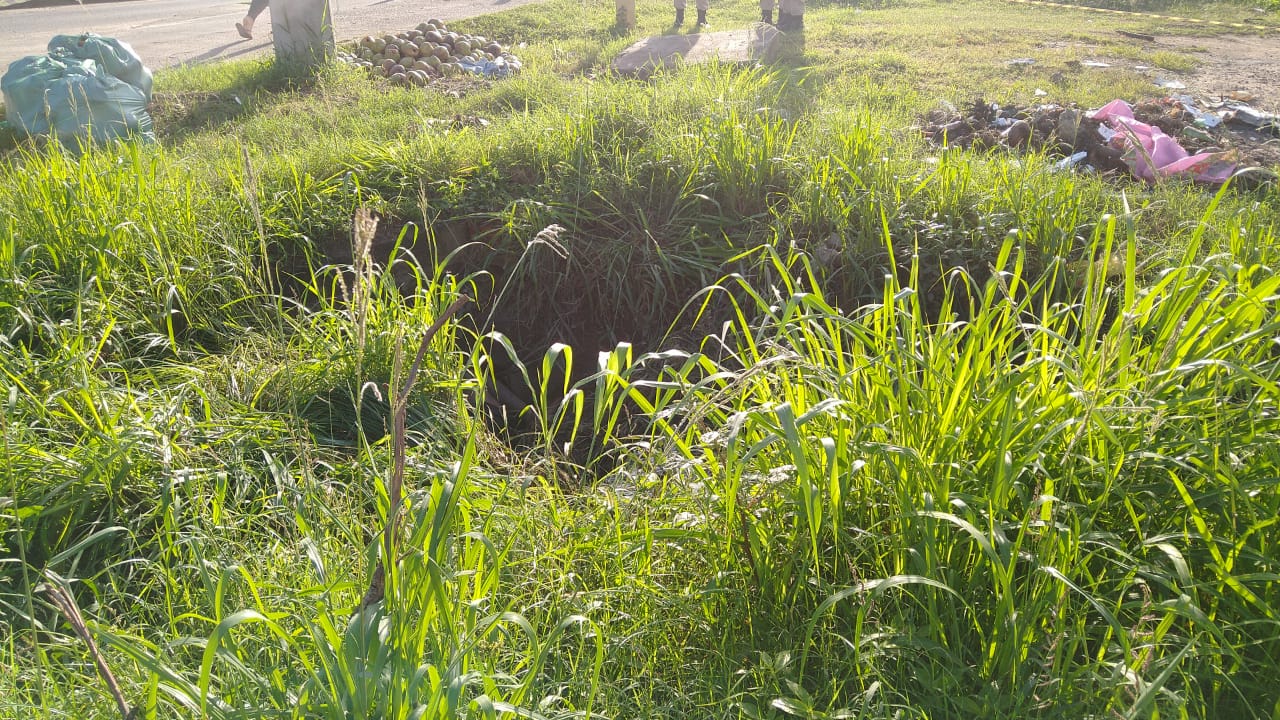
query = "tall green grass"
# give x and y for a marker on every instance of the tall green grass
(1019, 509)
(826, 422)
(1035, 493)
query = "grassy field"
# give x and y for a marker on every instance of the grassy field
(822, 421)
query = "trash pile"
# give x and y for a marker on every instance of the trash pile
(1233, 108)
(87, 89)
(1169, 137)
(1151, 153)
(416, 57)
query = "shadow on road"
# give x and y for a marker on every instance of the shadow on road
(221, 51)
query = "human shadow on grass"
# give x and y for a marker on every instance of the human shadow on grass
(177, 115)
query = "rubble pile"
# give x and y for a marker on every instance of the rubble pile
(416, 57)
(1058, 130)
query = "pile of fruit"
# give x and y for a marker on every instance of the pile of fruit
(431, 51)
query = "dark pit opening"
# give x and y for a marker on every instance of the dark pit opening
(591, 290)
(583, 289)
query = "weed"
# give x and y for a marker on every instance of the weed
(820, 421)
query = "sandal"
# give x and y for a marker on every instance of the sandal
(244, 32)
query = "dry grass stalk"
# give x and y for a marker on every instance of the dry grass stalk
(399, 405)
(56, 588)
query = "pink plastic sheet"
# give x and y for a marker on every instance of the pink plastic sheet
(1151, 154)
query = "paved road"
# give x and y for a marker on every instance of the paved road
(173, 32)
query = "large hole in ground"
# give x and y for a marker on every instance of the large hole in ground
(586, 289)
(591, 289)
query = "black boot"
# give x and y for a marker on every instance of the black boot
(702, 17)
(766, 17)
(679, 17)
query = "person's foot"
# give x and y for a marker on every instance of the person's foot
(679, 17)
(245, 32)
(702, 17)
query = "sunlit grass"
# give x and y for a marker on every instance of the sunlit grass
(935, 433)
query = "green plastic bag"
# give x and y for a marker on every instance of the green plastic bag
(87, 89)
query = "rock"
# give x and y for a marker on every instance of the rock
(1069, 126)
(1254, 178)
(757, 42)
(1018, 134)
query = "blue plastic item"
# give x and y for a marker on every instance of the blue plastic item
(497, 68)
(87, 89)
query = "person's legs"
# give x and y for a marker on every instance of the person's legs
(790, 14)
(703, 6)
(245, 26)
(680, 4)
(766, 11)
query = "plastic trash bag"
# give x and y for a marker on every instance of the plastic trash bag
(1151, 154)
(87, 89)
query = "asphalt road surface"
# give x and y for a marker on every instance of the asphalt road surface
(172, 32)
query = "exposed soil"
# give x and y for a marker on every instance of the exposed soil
(1228, 63)
(1231, 64)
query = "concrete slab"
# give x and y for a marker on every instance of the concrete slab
(757, 42)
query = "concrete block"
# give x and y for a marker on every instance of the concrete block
(757, 42)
